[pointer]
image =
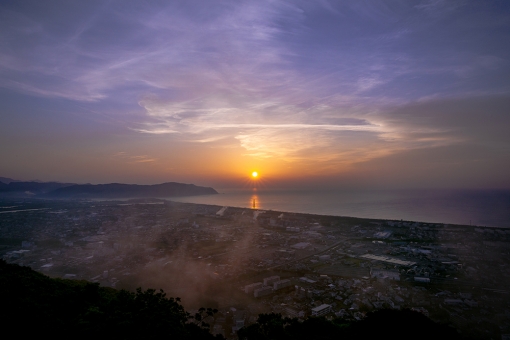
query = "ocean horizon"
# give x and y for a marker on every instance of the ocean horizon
(490, 208)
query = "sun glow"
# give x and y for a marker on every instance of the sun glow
(254, 174)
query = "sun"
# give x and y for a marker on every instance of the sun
(254, 174)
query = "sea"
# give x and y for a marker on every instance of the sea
(489, 208)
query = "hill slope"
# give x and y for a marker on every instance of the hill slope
(33, 187)
(36, 305)
(116, 190)
(113, 190)
(33, 304)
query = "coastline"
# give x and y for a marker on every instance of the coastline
(468, 208)
(349, 219)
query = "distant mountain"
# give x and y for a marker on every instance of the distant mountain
(113, 190)
(117, 190)
(30, 188)
(7, 180)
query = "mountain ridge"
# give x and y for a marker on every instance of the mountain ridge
(59, 190)
(120, 190)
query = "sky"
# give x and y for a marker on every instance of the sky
(327, 94)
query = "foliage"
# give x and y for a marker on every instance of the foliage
(381, 324)
(273, 326)
(34, 304)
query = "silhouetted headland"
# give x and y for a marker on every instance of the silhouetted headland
(57, 190)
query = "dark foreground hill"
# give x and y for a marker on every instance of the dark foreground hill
(382, 324)
(32, 304)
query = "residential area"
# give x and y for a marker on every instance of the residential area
(244, 262)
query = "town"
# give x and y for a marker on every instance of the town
(244, 262)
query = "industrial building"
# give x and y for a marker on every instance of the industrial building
(281, 284)
(262, 291)
(322, 310)
(294, 313)
(301, 245)
(268, 281)
(251, 287)
(387, 259)
(421, 279)
(384, 274)
(382, 234)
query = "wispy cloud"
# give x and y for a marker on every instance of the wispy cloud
(302, 81)
(134, 159)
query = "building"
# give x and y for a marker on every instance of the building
(221, 211)
(268, 281)
(382, 234)
(313, 234)
(307, 280)
(251, 287)
(301, 245)
(384, 274)
(300, 292)
(388, 259)
(322, 310)
(26, 244)
(281, 284)
(263, 291)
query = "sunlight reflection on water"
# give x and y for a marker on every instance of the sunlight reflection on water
(486, 208)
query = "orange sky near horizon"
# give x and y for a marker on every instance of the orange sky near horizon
(330, 95)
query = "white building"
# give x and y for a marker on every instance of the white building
(392, 260)
(251, 287)
(322, 310)
(221, 211)
(324, 257)
(281, 284)
(307, 280)
(301, 245)
(262, 291)
(421, 279)
(268, 281)
(382, 234)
